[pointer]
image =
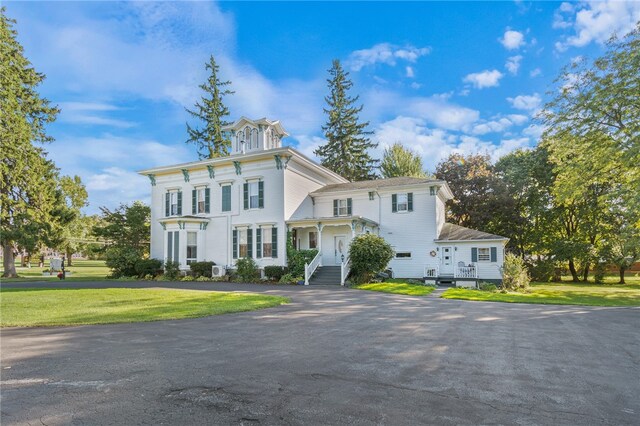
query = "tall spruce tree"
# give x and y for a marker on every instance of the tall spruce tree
(28, 180)
(209, 140)
(346, 150)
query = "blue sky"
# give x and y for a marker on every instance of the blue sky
(440, 77)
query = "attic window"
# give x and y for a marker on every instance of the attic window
(432, 190)
(371, 193)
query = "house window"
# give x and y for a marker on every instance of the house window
(173, 203)
(484, 254)
(342, 207)
(253, 195)
(432, 190)
(200, 200)
(192, 247)
(313, 240)
(242, 243)
(371, 194)
(266, 242)
(403, 203)
(403, 255)
(226, 198)
(173, 244)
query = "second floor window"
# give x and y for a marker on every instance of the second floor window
(342, 207)
(402, 202)
(200, 200)
(253, 194)
(226, 198)
(173, 203)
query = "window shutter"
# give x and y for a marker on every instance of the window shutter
(258, 243)
(169, 246)
(410, 201)
(167, 204)
(335, 207)
(249, 242)
(245, 190)
(274, 242)
(494, 254)
(394, 203)
(194, 201)
(176, 247)
(474, 254)
(207, 199)
(179, 203)
(226, 198)
(235, 243)
(261, 194)
(349, 203)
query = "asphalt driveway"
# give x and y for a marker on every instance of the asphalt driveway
(332, 356)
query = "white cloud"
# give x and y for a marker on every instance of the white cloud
(90, 113)
(534, 131)
(410, 72)
(595, 21)
(484, 79)
(535, 72)
(518, 119)
(415, 85)
(115, 185)
(526, 102)
(513, 64)
(384, 53)
(512, 39)
(499, 125)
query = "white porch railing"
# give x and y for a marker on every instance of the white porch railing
(431, 271)
(310, 268)
(466, 272)
(345, 267)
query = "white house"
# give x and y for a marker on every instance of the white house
(248, 203)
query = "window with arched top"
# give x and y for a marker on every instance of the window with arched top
(247, 137)
(267, 138)
(254, 138)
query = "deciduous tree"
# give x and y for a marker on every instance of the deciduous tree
(398, 161)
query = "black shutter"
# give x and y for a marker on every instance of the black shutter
(261, 194)
(235, 243)
(169, 247)
(335, 207)
(245, 191)
(494, 254)
(274, 242)
(249, 242)
(176, 247)
(194, 201)
(258, 243)
(474, 254)
(394, 203)
(207, 199)
(410, 201)
(167, 204)
(179, 203)
(349, 204)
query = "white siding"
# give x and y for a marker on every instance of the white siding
(462, 253)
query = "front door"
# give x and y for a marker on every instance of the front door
(446, 268)
(340, 248)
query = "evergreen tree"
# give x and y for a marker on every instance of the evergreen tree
(398, 161)
(346, 150)
(209, 140)
(29, 188)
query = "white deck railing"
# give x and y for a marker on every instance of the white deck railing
(345, 268)
(310, 268)
(466, 272)
(431, 272)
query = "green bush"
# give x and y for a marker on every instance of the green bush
(297, 258)
(487, 287)
(542, 270)
(146, 267)
(290, 279)
(247, 270)
(369, 255)
(274, 272)
(171, 270)
(201, 269)
(514, 273)
(202, 279)
(122, 261)
(187, 278)
(599, 272)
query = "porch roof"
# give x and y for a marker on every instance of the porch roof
(331, 220)
(186, 218)
(451, 232)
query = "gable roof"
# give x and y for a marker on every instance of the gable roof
(377, 184)
(451, 232)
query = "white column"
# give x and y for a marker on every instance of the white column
(319, 227)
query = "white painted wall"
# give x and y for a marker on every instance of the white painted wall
(486, 270)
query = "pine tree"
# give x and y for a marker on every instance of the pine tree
(209, 140)
(398, 161)
(346, 150)
(28, 180)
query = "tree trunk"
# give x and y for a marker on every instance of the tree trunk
(574, 273)
(585, 276)
(69, 255)
(622, 269)
(8, 261)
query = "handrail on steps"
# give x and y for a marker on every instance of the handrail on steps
(310, 268)
(345, 268)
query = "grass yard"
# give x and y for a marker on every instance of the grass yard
(397, 286)
(55, 307)
(558, 294)
(82, 270)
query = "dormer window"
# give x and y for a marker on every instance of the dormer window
(252, 135)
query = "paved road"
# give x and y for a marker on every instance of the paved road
(333, 356)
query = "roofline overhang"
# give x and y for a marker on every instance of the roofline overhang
(475, 240)
(337, 219)
(195, 219)
(441, 183)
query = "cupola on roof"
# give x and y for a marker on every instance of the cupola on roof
(255, 135)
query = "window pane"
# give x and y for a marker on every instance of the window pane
(313, 237)
(484, 255)
(242, 242)
(403, 204)
(266, 242)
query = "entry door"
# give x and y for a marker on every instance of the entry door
(340, 248)
(447, 261)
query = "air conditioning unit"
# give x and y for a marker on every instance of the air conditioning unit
(218, 271)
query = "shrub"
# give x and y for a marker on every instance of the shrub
(122, 261)
(171, 270)
(202, 278)
(369, 255)
(599, 272)
(274, 272)
(297, 258)
(290, 279)
(487, 287)
(514, 273)
(187, 278)
(247, 270)
(542, 270)
(148, 277)
(151, 267)
(201, 269)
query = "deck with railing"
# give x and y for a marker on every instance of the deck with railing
(469, 272)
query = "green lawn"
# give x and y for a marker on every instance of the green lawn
(54, 307)
(397, 286)
(81, 270)
(558, 294)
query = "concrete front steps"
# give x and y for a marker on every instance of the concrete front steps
(326, 275)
